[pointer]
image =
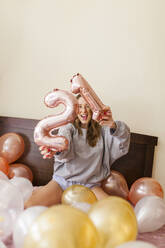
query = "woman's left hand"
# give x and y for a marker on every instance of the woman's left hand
(107, 119)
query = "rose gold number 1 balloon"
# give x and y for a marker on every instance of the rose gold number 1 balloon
(43, 131)
(80, 85)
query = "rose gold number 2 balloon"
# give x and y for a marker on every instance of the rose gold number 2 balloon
(80, 85)
(43, 131)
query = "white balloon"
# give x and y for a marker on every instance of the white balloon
(150, 213)
(6, 226)
(14, 213)
(10, 196)
(7, 222)
(136, 244)
(24, 186)
(23, 223)
(84, 206)
(3, 176)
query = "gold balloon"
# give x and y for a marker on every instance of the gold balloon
(78, 193)
(62, 226)
(115, 221)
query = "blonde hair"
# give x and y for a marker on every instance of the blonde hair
(93, 130)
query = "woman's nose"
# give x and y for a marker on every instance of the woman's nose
(84, 110)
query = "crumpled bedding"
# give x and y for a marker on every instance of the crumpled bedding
(156, 238)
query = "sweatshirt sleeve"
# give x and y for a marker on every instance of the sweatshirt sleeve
(66, 131)
(117, 142)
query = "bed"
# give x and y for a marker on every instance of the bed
(137, 163)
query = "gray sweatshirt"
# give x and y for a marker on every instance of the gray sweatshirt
(85, 164)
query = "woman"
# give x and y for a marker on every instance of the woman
(92, 149)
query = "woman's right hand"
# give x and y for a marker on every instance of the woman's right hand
(47, 152)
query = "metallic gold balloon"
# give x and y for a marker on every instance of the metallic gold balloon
(78, 193)
(115, 221)
(62, 226)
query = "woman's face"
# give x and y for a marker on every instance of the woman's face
(84, 112)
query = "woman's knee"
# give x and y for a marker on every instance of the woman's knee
(99, 192)
(47, 195)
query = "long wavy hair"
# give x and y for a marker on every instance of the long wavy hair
(93, 130)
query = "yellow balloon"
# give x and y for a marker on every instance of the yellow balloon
(115, 221)
(62, 226)
(78, 193)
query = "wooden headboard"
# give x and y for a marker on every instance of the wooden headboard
(137, 163)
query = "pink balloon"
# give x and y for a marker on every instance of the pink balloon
(43, 131)
(11, 146)
(116, 185)
(144, 186)
(81, 86)
(20, 170)
(4, 165)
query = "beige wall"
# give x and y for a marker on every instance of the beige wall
(118, 45)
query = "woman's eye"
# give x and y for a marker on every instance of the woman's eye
(84, 106)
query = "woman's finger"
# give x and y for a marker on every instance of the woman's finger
(47, 155)
(41, 148)
(43, 152)
(105, 118)
(102, 123)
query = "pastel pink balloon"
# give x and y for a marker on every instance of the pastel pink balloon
(81, 86)
(145, 186)
(43, 131)
(150, 213)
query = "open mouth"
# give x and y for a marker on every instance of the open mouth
(84, 117)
